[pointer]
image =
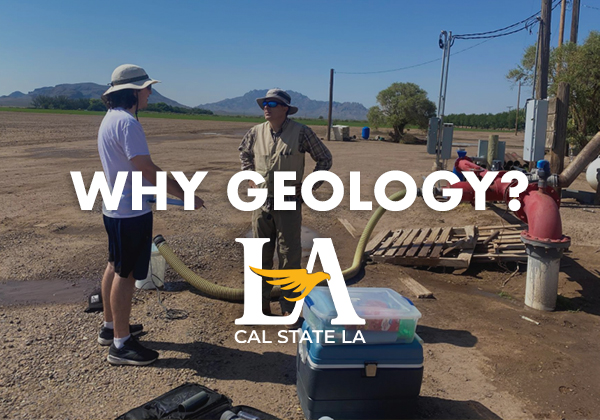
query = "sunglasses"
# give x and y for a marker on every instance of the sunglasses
(271, 104)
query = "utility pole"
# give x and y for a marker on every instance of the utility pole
(557, 154)
(563, 9)
(541, 91)
(575, 21)
(561, 31)
(518, 103)
(445, 43)
(330, 105)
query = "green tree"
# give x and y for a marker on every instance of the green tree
(375, 117)
(41, 101)
(524, 72)
(402, 104)
(96, 105)
(578, 65)
(581, 69)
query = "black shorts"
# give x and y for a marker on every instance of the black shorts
(129, 244)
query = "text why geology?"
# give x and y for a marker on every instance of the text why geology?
(138, 190)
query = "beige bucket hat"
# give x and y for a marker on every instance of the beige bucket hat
(129, 76)
(278, 95)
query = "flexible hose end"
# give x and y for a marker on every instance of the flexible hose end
(158, 240)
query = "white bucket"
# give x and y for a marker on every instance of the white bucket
(156, 271)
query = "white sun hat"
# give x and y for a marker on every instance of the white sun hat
(129, 76)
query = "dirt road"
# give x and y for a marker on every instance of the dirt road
(482, 360)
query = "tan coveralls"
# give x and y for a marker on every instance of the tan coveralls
(279, 152)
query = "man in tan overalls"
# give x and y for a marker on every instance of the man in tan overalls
(280, 144)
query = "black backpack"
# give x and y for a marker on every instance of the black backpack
(190, 401)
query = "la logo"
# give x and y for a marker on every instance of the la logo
(323, 247)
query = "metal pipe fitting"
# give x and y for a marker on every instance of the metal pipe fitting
(584, 158)
(543, 171)
(553, 180)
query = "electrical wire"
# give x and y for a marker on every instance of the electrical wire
(389, 71)
(413, 66)
(527, 23)
(497, 33)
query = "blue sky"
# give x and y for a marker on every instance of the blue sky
(206, 51)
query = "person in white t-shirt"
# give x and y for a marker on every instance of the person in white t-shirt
(122, 146)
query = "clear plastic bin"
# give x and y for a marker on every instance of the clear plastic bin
(389, 316)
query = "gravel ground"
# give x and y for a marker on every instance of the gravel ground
(482, 360)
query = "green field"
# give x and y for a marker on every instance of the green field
(306, 121)
(257, 120)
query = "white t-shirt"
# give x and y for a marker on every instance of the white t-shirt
(120, 139)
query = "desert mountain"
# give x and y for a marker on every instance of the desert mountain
(73, 91)
(308, 108)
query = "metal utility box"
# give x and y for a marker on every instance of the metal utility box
(482, 149)
(432, 132)
(536, 118)
(447, 141)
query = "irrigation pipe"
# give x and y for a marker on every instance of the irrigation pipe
(237, 295)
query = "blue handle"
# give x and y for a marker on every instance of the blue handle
(170, 201)
(543, 165)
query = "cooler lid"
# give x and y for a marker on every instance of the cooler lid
(370, 303)
(392, 355)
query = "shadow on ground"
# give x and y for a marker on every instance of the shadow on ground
(589, 301)
(219, 362)
(460, 338)
(439, 408)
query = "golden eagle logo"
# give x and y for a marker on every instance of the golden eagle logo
(298, 278)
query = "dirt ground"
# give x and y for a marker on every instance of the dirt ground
(482, 360)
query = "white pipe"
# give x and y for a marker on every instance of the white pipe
(541, 287)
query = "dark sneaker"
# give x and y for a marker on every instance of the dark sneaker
(296, 324)
(132, 353)
(106, 335)
(266, 308)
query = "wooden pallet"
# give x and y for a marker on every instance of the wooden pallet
(447, 247)
(500, 244)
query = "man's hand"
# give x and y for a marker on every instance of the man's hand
(198, 202)
(251, 184)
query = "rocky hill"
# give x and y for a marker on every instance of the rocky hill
(73, 91)
(308, 108)
(241, 105)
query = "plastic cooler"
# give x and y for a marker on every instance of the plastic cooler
(369, 381)
(389, 316)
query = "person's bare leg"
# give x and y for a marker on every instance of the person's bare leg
(120, 300)
(107, 281)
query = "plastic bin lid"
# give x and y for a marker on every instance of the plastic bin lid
(368, 302)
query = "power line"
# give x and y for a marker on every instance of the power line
(497, 33)
(413, 66)
(591, 7)
(527, 23)
(389, 71)
(471, 47)
(532, 17)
